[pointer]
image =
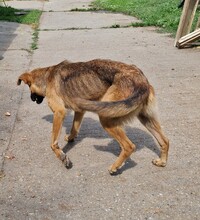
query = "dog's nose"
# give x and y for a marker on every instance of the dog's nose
(39, 99)
(33, 97)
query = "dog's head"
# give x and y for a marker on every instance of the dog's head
(35, 84)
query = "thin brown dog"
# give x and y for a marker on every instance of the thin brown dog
(117, 92)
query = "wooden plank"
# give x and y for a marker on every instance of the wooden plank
(186, 19)
(189, 38)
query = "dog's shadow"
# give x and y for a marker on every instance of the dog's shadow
(91, 128)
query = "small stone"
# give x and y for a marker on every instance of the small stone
(7, 114)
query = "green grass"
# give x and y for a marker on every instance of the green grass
(9, 14)
(30, 17)
(159, 13)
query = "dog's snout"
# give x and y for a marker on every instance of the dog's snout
(37, 98)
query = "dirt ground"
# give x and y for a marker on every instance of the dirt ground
(35, 185)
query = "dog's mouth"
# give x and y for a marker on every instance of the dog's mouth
(36, 98)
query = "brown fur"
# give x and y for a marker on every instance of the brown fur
(117, 92)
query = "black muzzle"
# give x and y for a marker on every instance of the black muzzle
(36, 98)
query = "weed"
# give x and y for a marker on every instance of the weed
(35, 39)
(115, 26)
(84, 9)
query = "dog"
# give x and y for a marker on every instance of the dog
(116, 91)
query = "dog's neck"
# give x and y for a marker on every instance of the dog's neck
(41, 79)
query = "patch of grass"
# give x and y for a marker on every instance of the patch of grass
(159, 13)
(138, 24)
(24, 17)
(32, 17)
(21, 16)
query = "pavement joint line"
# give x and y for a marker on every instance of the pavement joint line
(84, 10)
(24, 49)
(66, 29)
(74, 10)
(86, 28)
(117, 26)
(42, 6)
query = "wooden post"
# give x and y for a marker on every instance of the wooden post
(186, 20)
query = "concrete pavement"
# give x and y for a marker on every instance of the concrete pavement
(35, 185)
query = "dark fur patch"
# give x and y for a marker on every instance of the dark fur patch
(36, 98)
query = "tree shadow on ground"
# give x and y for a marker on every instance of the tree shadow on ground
(7, 34)
(91, 128)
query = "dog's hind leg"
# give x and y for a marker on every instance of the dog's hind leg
(78, 117)
(149, 119)
(112, 126)
(127, 147)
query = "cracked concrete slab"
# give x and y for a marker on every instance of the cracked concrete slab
(67, 20)
(132, 45)
(26, 5)
(62, 5)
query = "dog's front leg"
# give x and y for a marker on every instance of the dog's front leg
(58, 118)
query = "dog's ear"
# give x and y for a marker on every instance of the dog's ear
(26, 78)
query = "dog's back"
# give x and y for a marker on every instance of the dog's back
(109, 88)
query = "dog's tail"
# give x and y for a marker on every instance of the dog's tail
(115, 109)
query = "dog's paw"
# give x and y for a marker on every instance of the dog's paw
(69, 138)
(114, 171)
(159, 162)
(66, 161)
